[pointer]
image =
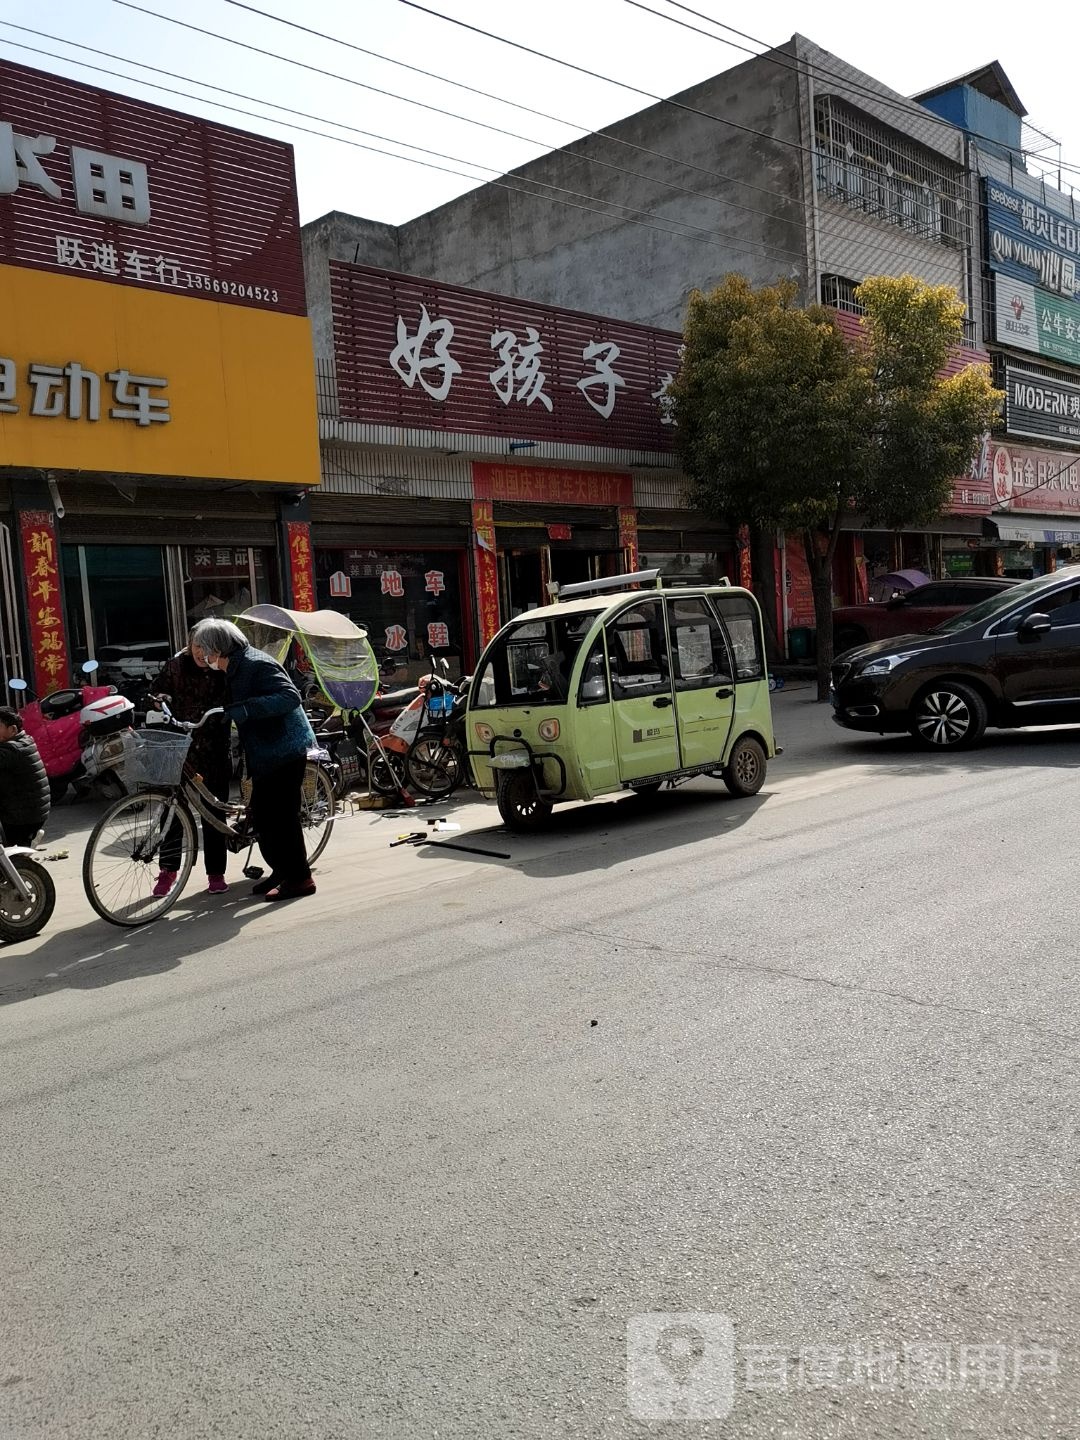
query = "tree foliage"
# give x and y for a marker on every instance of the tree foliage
(787, 424)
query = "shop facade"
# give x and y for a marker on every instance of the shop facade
(477, 449)
(157, 407)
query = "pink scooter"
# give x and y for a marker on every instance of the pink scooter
(56, 726)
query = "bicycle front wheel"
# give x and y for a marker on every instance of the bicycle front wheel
(123, 862)
(318, 807)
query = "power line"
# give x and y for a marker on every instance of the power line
(757, 247)
(659, 228)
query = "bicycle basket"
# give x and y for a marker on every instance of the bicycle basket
(155, 757)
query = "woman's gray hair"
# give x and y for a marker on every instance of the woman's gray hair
(219, 637)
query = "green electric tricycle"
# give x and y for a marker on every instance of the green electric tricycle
(620, 688)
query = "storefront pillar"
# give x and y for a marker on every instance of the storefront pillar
(628, 538)
(486, 569)
(296, 553)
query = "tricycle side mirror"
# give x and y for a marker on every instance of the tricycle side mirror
(1034, 625)
(17, 684)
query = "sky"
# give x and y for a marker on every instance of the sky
(614, 38)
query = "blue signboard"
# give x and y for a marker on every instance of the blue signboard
(1027, 241)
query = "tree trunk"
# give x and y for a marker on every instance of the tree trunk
(820, 547)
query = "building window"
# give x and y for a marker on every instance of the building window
(870, 168)
(838, 292)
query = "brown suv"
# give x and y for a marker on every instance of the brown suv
(912, 613)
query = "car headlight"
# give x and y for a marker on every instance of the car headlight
(883, 664)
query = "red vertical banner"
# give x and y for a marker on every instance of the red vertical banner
(628, 537)
(746, 574)
(301, 565)
(862, 581)
(487, 569)
(45, 614)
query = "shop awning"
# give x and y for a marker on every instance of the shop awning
(1038, 530)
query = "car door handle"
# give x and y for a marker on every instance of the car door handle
(724, 694)
(662, 701)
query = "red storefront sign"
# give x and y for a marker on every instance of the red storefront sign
(45, 615)
(628, 537)
(421, 355)
(560, 532)
(549, 485)
(487, 569)
(1020, 478)
(111, 188)
(301, 565)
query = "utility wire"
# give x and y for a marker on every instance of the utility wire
(919, 232)
(657, 228)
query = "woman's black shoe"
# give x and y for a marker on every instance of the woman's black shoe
(263, 887)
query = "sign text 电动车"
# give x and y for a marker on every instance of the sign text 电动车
(73, 392)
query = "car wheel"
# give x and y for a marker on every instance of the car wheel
(949, 716)
(744, 773)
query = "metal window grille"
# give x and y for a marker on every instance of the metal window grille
(871, 169)
(838, 292)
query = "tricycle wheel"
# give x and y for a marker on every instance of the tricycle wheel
(519, 805)
(744, 773)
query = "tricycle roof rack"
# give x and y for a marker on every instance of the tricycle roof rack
(613, 582)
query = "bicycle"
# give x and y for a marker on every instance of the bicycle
(122, 859)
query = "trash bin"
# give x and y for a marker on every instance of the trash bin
(800, 643)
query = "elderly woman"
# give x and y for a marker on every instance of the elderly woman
(275, 735)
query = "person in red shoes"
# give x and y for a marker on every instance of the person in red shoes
(191, 688)
(276, 735)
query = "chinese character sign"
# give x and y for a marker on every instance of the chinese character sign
(45, 615)
(117, 189)
(420, 355)
(301, 565)
(628, 537)
(486, 564)
(551, 485)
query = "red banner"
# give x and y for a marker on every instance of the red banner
(44, 609)
(550, 485)
(746, 573)
(798, 590)
(628, 537)
(487, 569)
(301, 565)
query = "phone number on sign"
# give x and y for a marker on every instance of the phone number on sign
(232, 288)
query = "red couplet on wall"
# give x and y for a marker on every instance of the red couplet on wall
(487, 569)
(45, 615)
(301, 565)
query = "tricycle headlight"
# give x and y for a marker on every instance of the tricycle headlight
(885, 664)
(549, 730)
(485, 734)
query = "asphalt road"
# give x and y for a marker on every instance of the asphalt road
(783, 1090)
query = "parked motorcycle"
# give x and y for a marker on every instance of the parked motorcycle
(72, 730)
(27, 893)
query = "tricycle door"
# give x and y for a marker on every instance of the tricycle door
(704, 680)
(594, 740)
(642, 704)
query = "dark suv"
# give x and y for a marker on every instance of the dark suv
(912, 611)
(1012, 660)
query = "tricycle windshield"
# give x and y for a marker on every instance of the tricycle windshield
(531, 661)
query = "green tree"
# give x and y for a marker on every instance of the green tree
(786, 424)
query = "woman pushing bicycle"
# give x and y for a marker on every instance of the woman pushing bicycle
(275, 735)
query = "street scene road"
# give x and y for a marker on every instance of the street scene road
(776, 1090)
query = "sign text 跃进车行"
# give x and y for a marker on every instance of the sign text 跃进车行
(1041, 406)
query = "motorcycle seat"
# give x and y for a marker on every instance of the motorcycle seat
(395, 699)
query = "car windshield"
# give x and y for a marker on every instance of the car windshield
(988, 610)
(530, 663)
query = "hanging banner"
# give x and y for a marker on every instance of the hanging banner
(798, 591)
(628, 537)
(44, 608)
(487, 569)
(301, 565)
(746, 574)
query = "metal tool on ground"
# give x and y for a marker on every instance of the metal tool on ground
(418, 837)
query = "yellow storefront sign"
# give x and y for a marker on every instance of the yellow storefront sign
(105, 377)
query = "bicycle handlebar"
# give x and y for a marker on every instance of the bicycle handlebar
(185, 724)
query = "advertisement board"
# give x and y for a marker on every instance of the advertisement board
(1029, 318)
(420, 355)
(151, 291)
(1041, 406)
(1030, 242)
